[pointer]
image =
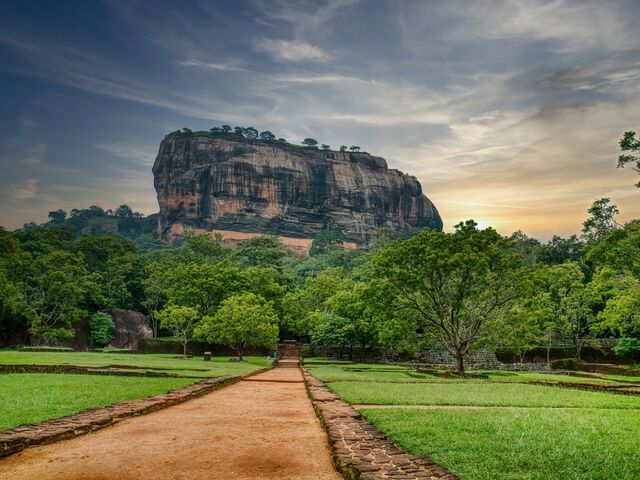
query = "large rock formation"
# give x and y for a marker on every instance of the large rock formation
(226, 182)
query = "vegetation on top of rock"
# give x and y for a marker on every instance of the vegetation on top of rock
(252, 134)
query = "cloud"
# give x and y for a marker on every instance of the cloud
(143, 155)
(29, 191)
(292, 51)
(192, 62)
(34, 154)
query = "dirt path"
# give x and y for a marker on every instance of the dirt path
(261, 428)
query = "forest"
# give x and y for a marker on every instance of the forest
(457, 291)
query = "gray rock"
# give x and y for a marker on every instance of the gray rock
(230, 183)
(130, 326)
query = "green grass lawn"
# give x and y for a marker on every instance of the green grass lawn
(480, 394)
(32, 398)
(521, 432)
(361, 372)
(535, 444)
(167, 363)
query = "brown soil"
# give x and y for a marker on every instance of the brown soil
(250, 430)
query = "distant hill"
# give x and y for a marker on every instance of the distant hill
(123, 222)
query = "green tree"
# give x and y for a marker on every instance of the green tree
(251, 133)
(267, 136)
(330, 330)
(356, 303)
(454, 282)
(262, 251)
(225, 128)
(354, 148)
(620, 250)
(101, 329)
(203, 286)
(568, 301)
(619, 292)
(156, 284)
(559, 250)
(243, 320)
(325, 147)
(343, 148)
(57, 216)
(601, 221)
(628, 347)
(528, 247)
(124, 211)
(98, 250)
(202, 247)
(56, 292)
(181, 322)
(310, 142)
(630, 143)
(326, 240)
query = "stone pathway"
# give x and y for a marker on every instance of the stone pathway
(261, 428)
(360, 449)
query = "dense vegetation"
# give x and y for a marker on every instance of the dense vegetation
(457, 291)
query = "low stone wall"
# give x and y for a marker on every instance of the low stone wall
(50, 431)
(360, 450)
(116, 370)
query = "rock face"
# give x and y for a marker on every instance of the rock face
(130, 326)
(226, 182)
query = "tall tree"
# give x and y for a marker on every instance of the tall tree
(181, 322)
(601, 220)
(242, 320)
(56, 292)
(454, 282)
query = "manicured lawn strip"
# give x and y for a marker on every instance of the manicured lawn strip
(483, 394)
(498, 376)
(536, 444)
(366, 373)
(32, 398)
(167, 363)
(362, 372)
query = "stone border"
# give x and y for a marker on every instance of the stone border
(122, 371)
(360, 450)
(91, 419)
(616, 389)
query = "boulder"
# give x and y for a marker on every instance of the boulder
(130, 327)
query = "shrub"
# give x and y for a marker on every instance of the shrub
(628, 347)
(101, 329)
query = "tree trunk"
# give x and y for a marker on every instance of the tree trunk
(240, 351)
(184, 349)
(350, 352)
(362, 350)
(460, 364)
(548, 353)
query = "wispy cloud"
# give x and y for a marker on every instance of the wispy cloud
(192, 62)
(144, 155)
(34, 154)
(291, 51)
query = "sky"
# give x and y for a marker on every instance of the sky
(508, 112)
